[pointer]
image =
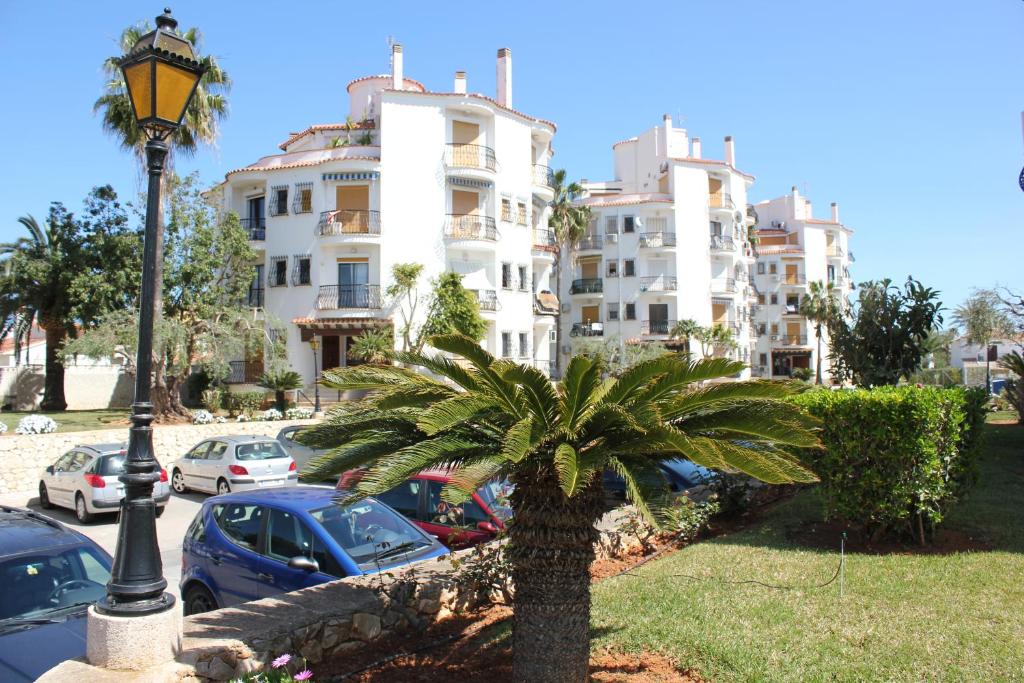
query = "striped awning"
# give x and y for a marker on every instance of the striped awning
(721, 302)
(360, 175)
(470, 182)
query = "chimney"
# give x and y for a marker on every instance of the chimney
(730, 151)
(397, 75)
(505, 77)
(835, 212)
(460, 82)
(696, 149)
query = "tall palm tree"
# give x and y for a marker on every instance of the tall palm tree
(819, 306)
(490, 418)
(568, 221)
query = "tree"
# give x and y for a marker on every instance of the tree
(373, 346)
(1014, 362)
(67, 275)
(404, 291)
(982, 320)
(568, 221)
(819, 306)
(616, 357)
(714, 338)
(882, 337)
(498, 419)
(685, 330)
(453, 310)
(280, 380)
(205, 322)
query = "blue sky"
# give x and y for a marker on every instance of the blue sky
(906, 113)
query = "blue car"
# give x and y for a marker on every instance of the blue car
(250, 545)
(49, 575)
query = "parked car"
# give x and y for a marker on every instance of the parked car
(49, 575)
(457, 526)
(684, 478)
(246, 546)
(300, 453)
(233, 463)
(85, 480)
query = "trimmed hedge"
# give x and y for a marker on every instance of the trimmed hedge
(895, 458)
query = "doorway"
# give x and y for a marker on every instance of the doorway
(331, 357)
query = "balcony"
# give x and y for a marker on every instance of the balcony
(658, 283)
(724, 284)
(587, 330)
(791, 309)
(662, 327)
(255, 228)
(487, 299)
(592, 285)
(457, 155)
(796, 279)
(255, 298)
(543, 176)
(348, 222)
(721, 200)
(790, 339)
(835, 251)
(335, 297)
(244, 371)
(590, 243)
(459, 226)
(657, 240)
(544, 244)
(722, 243)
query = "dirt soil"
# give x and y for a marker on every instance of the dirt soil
(826, 535)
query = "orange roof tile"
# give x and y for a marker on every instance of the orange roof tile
(357, 125)
(485, 98)
(410, 81)
(691, 160)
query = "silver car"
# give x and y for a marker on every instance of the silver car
(234, 463)
(299, 452)
(85, 480)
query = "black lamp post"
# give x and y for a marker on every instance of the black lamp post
(314, 344)
(161, 73)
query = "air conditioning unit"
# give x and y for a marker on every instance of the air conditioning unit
(774, 337)
(566, 308)
(566, 348)
(611, 238)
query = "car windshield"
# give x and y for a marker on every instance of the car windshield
(496, 495)
(111, 465)
(39, 582)
(369, 532)
(691, 472)
(261, 450)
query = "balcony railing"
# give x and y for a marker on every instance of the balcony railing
(592, 285)
(348, 222)
(587, 330)
(543, 176)
(722, 243)
(723, 284)
(332, 297)
(465, 226)
(244, 371)
(488, 299)
(657, 326)
(543, 238)
(458, 155)
(721, 200)
(835, 251)
(545, 366)
(791, 309)
(590, 242)
(791, 339)
(658, 283)
(255, 299)
(255, 228)
(793, 279)
(658, 239)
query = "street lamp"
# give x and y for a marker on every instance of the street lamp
(314, 344)
(161, 73)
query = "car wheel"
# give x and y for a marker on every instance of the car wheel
(178, 482)
(160, 510)
(222, 487)
(198, 600)
(82, 513)
(44, 497)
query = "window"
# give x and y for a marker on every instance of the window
(760, 268)
(524, 279)
(279, 200)
(611, 225)
(612, 268)
(260, 450)
(467, 514)
(506, 344)
(199, 452)
(630, 311)
(629, 224)
(303, 202)
(240, 523)
(506, 209)
(775, 299)
(613, 311)
(762, 359)
(716, 228)
(773, 268)
(404, 498)
(278, 271)
(524, 345)
(760, 298)
(197, 529)
(628, 268)
(761, 329)
(367, 529)
(521, 213)
(216, 451)
(775, 328)
(30, 580)
(301, 269)
(506, 276)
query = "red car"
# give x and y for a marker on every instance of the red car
(457, 526)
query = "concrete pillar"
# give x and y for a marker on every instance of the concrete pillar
(397, 67)
(460, 82)
(505, 77)
(730, 151)
(696, 149)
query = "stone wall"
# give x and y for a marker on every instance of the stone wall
(23, 457)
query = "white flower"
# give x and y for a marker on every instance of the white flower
(221, 419)
(202, 417)
(298, 413)
(272, 414)
(36, 424)
(3, 428)
(242, 418)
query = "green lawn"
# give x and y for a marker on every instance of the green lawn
(74, 420)
(903, 617)
(1002, 416)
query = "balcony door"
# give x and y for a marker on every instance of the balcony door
(793, 331)
(353, 284)
(791, 274)
(256, 287)
(466, 142)
(353, 205)
(657, 314)
(590, 269)
(256, 206)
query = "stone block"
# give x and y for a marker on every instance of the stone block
(312, 651)
(365, 626)
(133, 643)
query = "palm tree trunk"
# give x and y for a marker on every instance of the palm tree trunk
(53, 390)
(817, 332)
(551, 548)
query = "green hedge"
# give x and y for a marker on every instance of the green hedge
(896, 458)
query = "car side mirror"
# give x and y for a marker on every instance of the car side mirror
(49, 470)
(304, 563)
(487, 527)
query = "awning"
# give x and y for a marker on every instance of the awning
(359, 175)
(547, 303)
(347, 326)
(721, 301)
(469, 182)
(791, 352)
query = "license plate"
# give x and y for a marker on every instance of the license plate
(272, 482)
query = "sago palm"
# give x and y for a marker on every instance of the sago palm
(490, 418)
(568, 222)
(819, 306)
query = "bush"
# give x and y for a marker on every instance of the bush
(36, 424)
(203, 417)
(803, 374)
(298, 413)
(246, 402)
(272, 414)
(213, 399)
(895, 458)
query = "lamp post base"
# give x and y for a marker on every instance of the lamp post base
(133, 643)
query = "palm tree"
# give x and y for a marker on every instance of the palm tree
(685, 330)
(279, 381)
(568, 221)
(982, 320)
(490, 418)
(1014, 391)
(819, 306)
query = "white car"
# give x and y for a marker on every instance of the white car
(234, 463)
(85, 480)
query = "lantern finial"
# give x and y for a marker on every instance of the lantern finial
(165, 20)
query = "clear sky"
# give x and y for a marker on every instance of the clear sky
(907, 113)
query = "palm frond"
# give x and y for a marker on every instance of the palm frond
(359, 377)
(646, 487)
(774, 421)
(578, 390)
(439, 365)
(452, 411)
(713, 395)
(462, 345)
(537, 391)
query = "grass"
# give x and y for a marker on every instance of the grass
(73, 420)
(1002, 416)
(903, 617)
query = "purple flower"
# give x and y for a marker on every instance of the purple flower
(281, 661)
(303, 675)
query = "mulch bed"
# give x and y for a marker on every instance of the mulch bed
(826, 535)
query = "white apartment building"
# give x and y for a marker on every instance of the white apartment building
(451, 179)
(794, 249)
(667, 242)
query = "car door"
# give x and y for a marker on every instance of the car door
(56, 484)
(232, 552)
(287, 536)
(211, 467)
(72, 479)
(192, 463)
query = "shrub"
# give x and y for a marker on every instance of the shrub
(733, 492)
(245, 402)
(3, 428)
(298, 413)
(213, 399)
(486, 571)
(36, 424)
(272, 414)
(803, 374)
(203, 417)
(686, 520)
(895, 458)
